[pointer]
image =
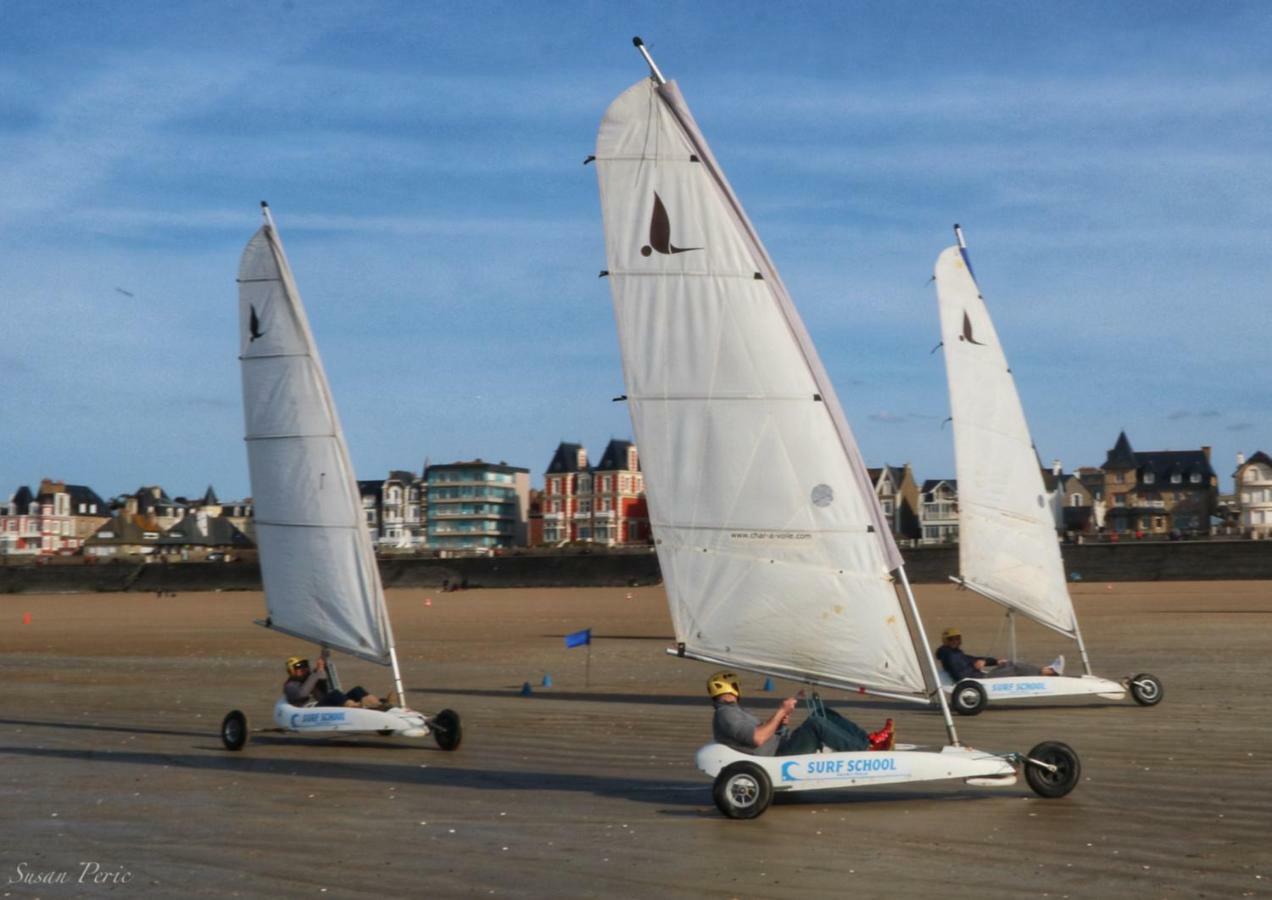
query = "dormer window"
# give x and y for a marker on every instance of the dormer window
(1195, 478)
(1176, 478)
(1149, 477)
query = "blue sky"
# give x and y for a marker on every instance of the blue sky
(1111, 165)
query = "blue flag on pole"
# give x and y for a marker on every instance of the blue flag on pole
(578, 638)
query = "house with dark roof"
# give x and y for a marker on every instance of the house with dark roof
(602, 504)
(396, 510)
(125, 534)
(53, 520)
(200, 536)
(898, 494)
(1158, 491)
(938, 511)
(1073, 506)
(1253, 480)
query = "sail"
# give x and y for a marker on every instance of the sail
(775, 554)
(318, 568)
(1007, 544)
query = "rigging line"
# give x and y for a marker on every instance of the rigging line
(802, 398)
(256, 280)
(632, 273)
(252, 438)
(259, 523)
(740, 529)
(272, 356)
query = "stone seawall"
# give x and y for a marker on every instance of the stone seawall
(1130, 561)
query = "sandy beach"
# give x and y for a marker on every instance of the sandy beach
(113, 769)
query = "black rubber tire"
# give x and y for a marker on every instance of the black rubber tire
(742, 790)
(447, 730)
(968, 698)
(234, 730)
(1058, 783)
(1146, 689)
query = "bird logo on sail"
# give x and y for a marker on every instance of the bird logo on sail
(660, 232)
(254, 325)
(967, 332)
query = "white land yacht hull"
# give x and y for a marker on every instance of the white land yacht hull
(349, 720)
(745, 785)
(971, 695)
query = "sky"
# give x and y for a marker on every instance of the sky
(1111, 165)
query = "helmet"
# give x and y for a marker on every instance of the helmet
(723, 682)
(950, 633)
(295, 662)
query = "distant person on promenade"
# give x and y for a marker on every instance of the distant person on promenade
(962, 665)
(304, 687)
(734, 727)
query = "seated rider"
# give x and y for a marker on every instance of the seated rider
(734, 727)
(962, 665)
(306, 688)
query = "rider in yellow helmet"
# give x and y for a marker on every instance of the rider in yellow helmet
(734, 727)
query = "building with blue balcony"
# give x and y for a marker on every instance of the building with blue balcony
(476, 506)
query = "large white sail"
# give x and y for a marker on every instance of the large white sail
(775, 554)
(1007, 539)
(318, 568)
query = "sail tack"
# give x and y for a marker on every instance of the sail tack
(1007, 539)
(774, 552)
(318, 568)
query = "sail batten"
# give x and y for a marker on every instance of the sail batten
(775, 554)
(1008, 550)
(317, 565)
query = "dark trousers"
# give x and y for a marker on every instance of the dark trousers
(827, 730)
(338, 698)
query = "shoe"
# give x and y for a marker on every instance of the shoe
(1057, 664)
(885, 738)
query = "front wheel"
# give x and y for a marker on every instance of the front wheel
(1146, 689)
(446, 729)
(234, 730)
(1059, 773)
(968, 698)
(742, 790)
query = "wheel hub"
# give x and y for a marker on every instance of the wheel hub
(743, 790)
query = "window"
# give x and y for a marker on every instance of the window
(1176, 478)
(1075, 500)
(1119, 478)
(1149, 477)
(1195, 478)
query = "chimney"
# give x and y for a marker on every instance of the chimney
(1240, 460)
(1206, 450)
(1056, 468)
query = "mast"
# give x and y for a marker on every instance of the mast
(930, 657)
(653, 67)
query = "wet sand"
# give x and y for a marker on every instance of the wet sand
(109, 754)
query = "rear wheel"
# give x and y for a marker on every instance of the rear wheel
(446, 729)
(234, 730)
(968, 698)
(742, 790)
(1059, 773)
(1146, 689)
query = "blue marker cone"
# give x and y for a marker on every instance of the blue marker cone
(525, 689)
(547, 681)
(768, 684)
